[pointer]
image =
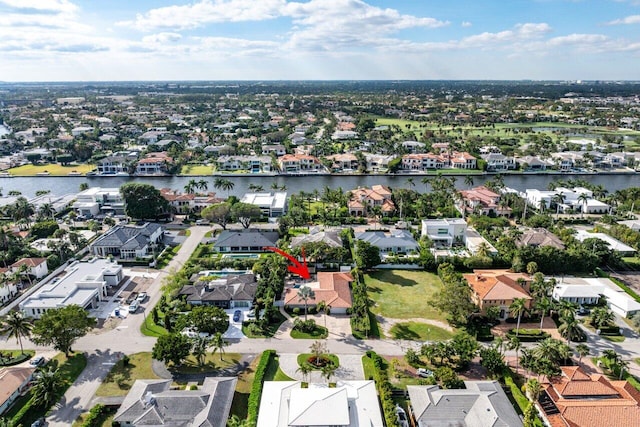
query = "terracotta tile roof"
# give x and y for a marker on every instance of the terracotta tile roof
(11, 379)
(29, 262)
(497, 285)
(333, 289)
(592, 400)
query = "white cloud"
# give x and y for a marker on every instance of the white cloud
(578, 39)
(162, 38)
(205, 12)
(633, 19)
(466, 24)
(42, 5)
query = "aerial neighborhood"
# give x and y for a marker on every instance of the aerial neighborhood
(288, 254)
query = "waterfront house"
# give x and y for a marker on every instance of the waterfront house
(299, 163)
(483, 201)
(364, 199)
(96, 200)
(154, 164)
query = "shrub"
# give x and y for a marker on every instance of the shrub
(256, 389)
(384, 389)
(297, 311)
(528, 335)
(306, 326)
(125, 360)
(93, 419)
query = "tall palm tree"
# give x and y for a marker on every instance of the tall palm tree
(46, 384)
(558, 199)
(16, 325)
(569, 328)
(515, 344)
(328, 371)
(410, 183)
(583, 198)
(305, 369)
(191, 186)
(46, 211)
(427, 182)
(517, 308)
(542, 205)
(582, 350)
(543, 305)
(223, 184)
(305, 293)
(203, 185)
(468, 181)
(218, 343)
(199, 349)
(533, 389)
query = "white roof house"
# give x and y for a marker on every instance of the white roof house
(614, 244)
(272, 204)
(585, 290)
(350, 403)
(81, 283)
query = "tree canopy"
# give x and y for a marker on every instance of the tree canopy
(61, 327)
(172, 348)
(205, 319)
(244, 213)
(143, 201)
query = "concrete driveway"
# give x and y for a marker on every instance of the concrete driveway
(350, 368)
(235, 328)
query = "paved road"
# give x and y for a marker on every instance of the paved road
(78, 397)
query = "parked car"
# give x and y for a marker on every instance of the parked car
(237, 315)
(251, 314)
(402, 416)
(39, 423)
(141, 297)
(582, 311)
(187, 332)
(424, 373)
(133, 307)
(37, 361)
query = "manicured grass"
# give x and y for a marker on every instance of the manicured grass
(104, 421)
(196, 170)
(212, 363)
(53, 169)
(13, 357)
(166, 256)
(613, 338)
(269, 331)
(403, 294)
(139, 368)
(373, 333)
(368, 368)
(150, 329)
(318, 332)
(243, 389)
(304, 359)
(419, 332)
(274, 373)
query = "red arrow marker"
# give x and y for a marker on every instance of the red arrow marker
(300, 269)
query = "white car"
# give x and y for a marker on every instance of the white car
(133, 307)
(402, 416)
(190, 333)
(424, 373)
(141, 297)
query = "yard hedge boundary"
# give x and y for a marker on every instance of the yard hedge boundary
(94, 416)
(256, 388)
(384, 389)
(522, 400)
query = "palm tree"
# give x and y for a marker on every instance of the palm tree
(410, 183)
(218, 343)
(191, 186)
(515, 344)
(328, 371)
(570, 328)
(468, 181)
(46, 211)
(517, 308)
(305, 293)
(427, 182)
(16, 325)
(305, 369)
(601, 316)
(203, 185)
(558, 199)
(256, 188)
(199, 349)
(533, 389)
(622, 365)
(224, 184)
(583, 198)
(582, 350)
(542, 204)
(46, 384)
(325, 309)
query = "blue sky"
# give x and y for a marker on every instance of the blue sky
(69, 40)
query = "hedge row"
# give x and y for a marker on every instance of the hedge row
(528, 335)
(93, 419)
(256, 389)
(384, 389)
(518, 396)
(15, 360)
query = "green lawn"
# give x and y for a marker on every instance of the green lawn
(269, 332)
(319, 332)
(274, 373)
(139, 368)
(150, 329)
(304, 358)
(243, 390)
(53, 169)
(196, 170)
(403, 294)
(419, 332)
(212, 363)
(13, 357)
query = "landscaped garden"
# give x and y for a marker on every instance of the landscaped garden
(125, 372)
(417, 331)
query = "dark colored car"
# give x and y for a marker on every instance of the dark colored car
(236, 315)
